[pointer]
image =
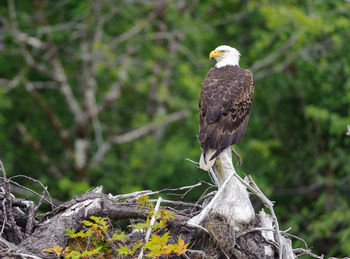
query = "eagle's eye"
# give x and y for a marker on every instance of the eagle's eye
(222, 51)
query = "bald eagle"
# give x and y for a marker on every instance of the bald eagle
(225, 100)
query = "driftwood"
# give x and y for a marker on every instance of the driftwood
(24, 234)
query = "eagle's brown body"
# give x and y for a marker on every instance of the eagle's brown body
(225, 101)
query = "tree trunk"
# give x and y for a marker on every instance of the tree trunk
(232, 199)
(232, 203)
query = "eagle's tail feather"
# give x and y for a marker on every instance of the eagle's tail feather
(217, 152)
(207, 159)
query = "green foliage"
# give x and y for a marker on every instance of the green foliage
(99, 245)
(95, 229)
(57, 250)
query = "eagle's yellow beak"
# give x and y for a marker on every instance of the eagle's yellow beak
(214, 54)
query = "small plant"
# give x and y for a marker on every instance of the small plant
(92, 242)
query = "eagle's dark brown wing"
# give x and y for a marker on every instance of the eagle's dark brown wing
(225, 101)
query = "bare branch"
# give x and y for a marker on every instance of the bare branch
(42, 197)
(277, 68)
(273, 56)
(57, 27)
(289, 59)
(17, 80)
(232, 18)
(34, 42)
(130, 33)
(187, 188)
(58, 72)
(153, 220)
(179, 203)
(301, 251)
(140, 132)
(109, 97)
(10, 84)
(135, 134)
(141, 24)
(13, 28)
(66, 90)
(89, 78)
(101, 151)
(49, 200)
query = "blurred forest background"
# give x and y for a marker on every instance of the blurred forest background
(106, 93)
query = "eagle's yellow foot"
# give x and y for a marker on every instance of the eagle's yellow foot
(239, 160)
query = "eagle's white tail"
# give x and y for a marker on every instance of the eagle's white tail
(206, 164)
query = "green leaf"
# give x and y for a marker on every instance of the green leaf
(73, 255)
(139, 226)
(95, 251)
(70, 232)
(136, 246)
(89, 223)
(57, 250)
(181, 247)
(123, 251)
(142, 200)
(117, 236)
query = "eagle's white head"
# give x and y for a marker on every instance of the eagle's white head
(225, 55)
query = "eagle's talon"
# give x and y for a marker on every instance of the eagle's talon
(239, 160)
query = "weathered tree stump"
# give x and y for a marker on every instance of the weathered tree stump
(214, 228)
(232, 203)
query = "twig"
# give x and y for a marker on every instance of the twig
(17, 80)
(130, 33)
(140, 132)
(34, 192)
(101, 151)
(194, 162)
(301, 251)
(287, 60)
(180, 203)
(187, 188)
(40, 183)
(149, 230)
(23, 39)
(284, 233)
(111, 95)
(272, 57)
